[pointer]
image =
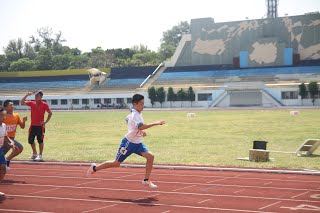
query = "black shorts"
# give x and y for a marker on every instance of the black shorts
(36, 131)
(6, 147)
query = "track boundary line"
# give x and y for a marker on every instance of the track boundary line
(177, 175)
(139, 203)
(166, 182)
(185, 167)
(170, 192)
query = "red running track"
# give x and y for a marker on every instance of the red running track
(58, 188)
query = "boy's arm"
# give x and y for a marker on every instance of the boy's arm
(146, 126)
(23, 100)
(48, 118)
(23, 124)
(10, 142)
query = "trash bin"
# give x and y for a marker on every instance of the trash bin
(260, 145)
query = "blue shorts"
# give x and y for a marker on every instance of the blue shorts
(2, 158)
(126, 148)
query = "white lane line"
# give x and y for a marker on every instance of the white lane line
(174, 193)
(166, 211)
(216, 180)
(48, 190)
(79, 184)
(16, 210)
(183, 188)
(300, 194)
(166, 182)
(272, 204)
(238, 191)
(181, 175)
(136, 203)
(93, 210)
(267, 183)
(127, 176)
(204, 201)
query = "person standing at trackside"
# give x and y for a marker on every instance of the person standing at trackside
(3, 139)
(131, 143)
(11, 121)
(37, 127)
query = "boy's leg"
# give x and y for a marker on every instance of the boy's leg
(108, 164)
(2, 168)
(15, 152)
(125, 150)
(31, 142)
(149, 164)
(40, 138)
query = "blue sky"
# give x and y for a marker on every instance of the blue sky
(87, 24)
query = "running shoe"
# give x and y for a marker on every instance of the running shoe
(90, 170)
(149, 183)
(33, 156)
(39, 158)
(2, 194)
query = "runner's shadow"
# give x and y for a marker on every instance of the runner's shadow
(2, 199)
(148, 201)
(7, 182)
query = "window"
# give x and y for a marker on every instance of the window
(107, 101)
(289, 95)
(16, 102)
(85, 101)
(120, 101)
(97, 101)
(204, 96)
(75, 101)
(64, 102)
(54, 102)
(129, 100)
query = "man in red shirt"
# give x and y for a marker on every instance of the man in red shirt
(37, 128)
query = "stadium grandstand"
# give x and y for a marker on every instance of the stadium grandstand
(244, 63)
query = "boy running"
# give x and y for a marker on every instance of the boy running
(11, 121)
(3, 139)
(37, 128)
(132, 143)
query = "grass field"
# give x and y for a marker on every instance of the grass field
(214, 138)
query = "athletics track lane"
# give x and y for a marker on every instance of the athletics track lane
(54, 188)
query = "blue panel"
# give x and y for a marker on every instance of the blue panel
(288, 53)
(243, 59)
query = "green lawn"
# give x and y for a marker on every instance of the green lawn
(214, 138)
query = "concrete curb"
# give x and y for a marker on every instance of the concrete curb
(186, 167)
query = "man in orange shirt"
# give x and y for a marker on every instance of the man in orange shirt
(11, 121)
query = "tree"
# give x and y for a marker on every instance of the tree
(313, 90)
(47, 40)
(172, 37)
(152, 95)
(23, 64)
(181, 95)
(4, 63)
(161, 95)
(61, 62)
(28, 51)
(14, 50)
(44, 59)
(99, 58)
(303, 91)
(79, 61)
(171, 96)
(190, 95)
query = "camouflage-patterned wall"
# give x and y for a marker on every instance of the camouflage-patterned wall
(263, 39)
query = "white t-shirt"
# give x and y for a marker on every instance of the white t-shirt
(134, 120)
(3, 133)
